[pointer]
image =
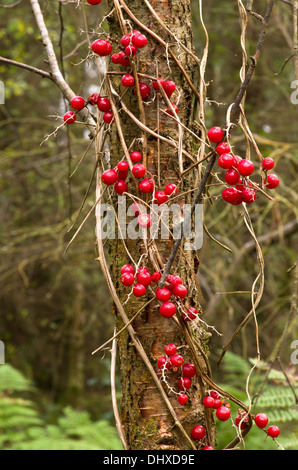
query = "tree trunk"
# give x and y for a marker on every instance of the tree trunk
(145, 416)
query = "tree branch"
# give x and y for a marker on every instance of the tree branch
(43, 73)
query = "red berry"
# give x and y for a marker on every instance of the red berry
(155, 84)
(144, 278)
(145, 220)
(249, 195)
(223, 413)
(108, 117)
(272, 181)
(223, 147)
(208, 448)
(123, 60)
(173, 280)
(243, 419)
(190, 314)
(109, 177)
(146, 186)
(169, 110)
(139, 40)
(144, 90)
(126, 40)
(268, 163)
(101, 47)
(104, 104)
(116, 58)
(216, 404)
(94, 2)
(135, 157)
(273, 431)
(232, 195)
(156, 276)
(163, 363)
(122, 175)
(177, 360)
(139, 290)
(168, 309)
(208, 402)
(215, 135)
(160, 197)
(127, 279)
(131, 50)
(232, 176)
(245, 167)
(69, 117)
(182, 398)
(171, 189)
(138, 170)
(261, 420)
(120, 187)
(198, 433)
(214, 394)
(93, 99)
(179, 291)
(77, 103)
(170, 349)
(128, 268)
(226, 161)
(128, 80)
(184, 383)
(163, 294)
(188, 370)
(122, 166)
(169, 87)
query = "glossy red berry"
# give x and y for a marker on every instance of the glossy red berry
(139, 40)
(145, 220)
(245, 167)
(135, 157)
(126, 40)
(139, 290)
(156, 276)
(168, 309)
(122, 166)
(182, 398)
(109, 177)
(208, 402)
(179, 291)
(94, 2)
(155, 84)
(249, 195)
(190, 314)
(128, 80)
(69, 117)
(169, 87)
(93, 99)
(223, 147)
(131, 50)
(198, 433)
(127, 268)
(188, 370)
(146, 186)
(223, 413)
(120, 186)
(163, 294)
(123, 59)
(170, 349)
(226, 161)
(232, 176)
(232, 195)
(163, 363)
(171, 189)
(104, 104)
(127, 279)
(138, 170)
(77, 103)
(144, 90)
(272, 181)
(160, 197)
(268, 163)
(215, 135)
(273, 431)
(214, 394)
(101, 47)
(216, 404)
(173, 280)
(108, 117)
(208, 448)
(169, 110)
(184, 383)
(261, 420)
(243, 419)
(116, 58)
(177, 360)
(144, 277)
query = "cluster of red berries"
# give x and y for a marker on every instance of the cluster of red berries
(238, 171)
(213, 401)
(261, 420)
(140, 278)
(78, 103)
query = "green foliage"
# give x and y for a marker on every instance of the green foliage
(23, 428)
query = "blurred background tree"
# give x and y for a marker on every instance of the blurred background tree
(54, 310)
